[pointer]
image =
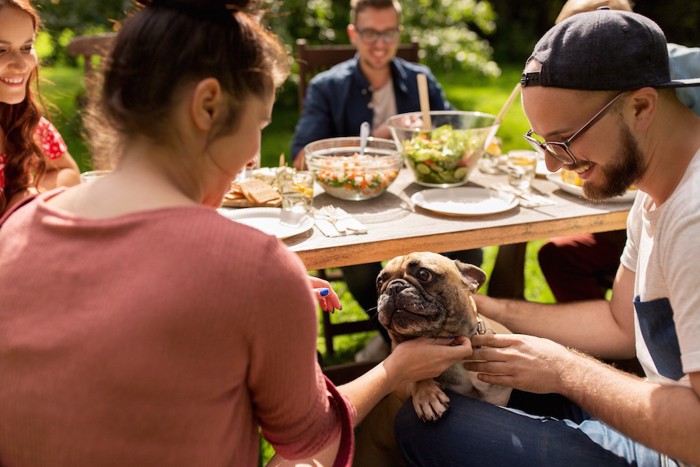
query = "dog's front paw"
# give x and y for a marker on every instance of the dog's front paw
(429, 400)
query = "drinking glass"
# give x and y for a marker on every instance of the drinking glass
(521, 167)
(297, 192)
(92, 175)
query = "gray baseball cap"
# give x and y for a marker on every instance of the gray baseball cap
(603, 50)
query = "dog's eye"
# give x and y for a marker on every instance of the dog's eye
(424, 275)
(380, 282)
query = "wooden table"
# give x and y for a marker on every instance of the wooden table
(395, 229)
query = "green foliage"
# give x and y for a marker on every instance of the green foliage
(319, 21)
(64, 19)
(80, 15)
(448, 31)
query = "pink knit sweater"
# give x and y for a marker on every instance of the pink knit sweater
(164, 337)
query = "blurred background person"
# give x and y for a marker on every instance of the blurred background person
(33, 156)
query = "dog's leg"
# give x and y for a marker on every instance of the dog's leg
(429, 400)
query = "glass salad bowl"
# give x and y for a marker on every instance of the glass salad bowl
(344, 172)
(446, 155)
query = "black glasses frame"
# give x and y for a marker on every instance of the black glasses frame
(550, 147)
(370, 36)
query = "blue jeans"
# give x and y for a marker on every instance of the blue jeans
(476, 433)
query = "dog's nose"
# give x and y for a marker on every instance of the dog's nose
(397, 285)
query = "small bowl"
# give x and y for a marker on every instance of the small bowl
(447, 155)
(343, 173)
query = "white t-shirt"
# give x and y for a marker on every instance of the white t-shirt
(383, 104)
(663, 248)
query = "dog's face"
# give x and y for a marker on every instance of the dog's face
(427, 294)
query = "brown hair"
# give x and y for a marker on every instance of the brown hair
(358, 6)
(19, 122)
(170, 44)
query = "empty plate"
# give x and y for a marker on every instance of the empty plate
(268, 220)
(464, 201)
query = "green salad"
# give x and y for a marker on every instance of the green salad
(444, 155)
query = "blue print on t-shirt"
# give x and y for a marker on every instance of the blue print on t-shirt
(659, 332)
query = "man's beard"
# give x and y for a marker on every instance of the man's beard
(620, 173)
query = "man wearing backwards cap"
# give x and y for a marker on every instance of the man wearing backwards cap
(600, 100)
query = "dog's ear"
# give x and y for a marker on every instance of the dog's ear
(473, 276)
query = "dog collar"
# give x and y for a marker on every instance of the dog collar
(480, 326)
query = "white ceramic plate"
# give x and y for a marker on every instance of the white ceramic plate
(267, 220)
(464, 201)
(576, 190)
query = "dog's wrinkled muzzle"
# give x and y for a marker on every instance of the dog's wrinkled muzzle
(403, 308)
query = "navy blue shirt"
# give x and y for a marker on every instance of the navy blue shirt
(338, 100)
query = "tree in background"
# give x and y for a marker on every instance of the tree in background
(64, 19)
(454, 34)
(451, 32)
(520, 24)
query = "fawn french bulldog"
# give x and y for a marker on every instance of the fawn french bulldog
(429, 295)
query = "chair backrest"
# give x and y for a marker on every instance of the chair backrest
(313, 59)
(91, 48)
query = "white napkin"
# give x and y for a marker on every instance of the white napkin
(336, 222)
(526, 198)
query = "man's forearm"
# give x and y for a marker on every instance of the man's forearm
(601, 335)
(663, 417)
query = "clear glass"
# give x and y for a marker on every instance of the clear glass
(493, 157)
(521, 168)
(92, 175)
(297, 191)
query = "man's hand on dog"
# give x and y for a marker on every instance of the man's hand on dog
(524, 362)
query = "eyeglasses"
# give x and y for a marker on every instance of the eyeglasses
(560, 150)
(370, 36)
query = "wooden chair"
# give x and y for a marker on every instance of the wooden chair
(313, 59)
(92, 49)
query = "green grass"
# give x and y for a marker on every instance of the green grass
(60, 88)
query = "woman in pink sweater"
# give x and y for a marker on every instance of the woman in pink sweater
(138, 326)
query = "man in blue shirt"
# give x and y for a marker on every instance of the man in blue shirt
(371, 87)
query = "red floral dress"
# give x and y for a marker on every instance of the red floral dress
(51, 142)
